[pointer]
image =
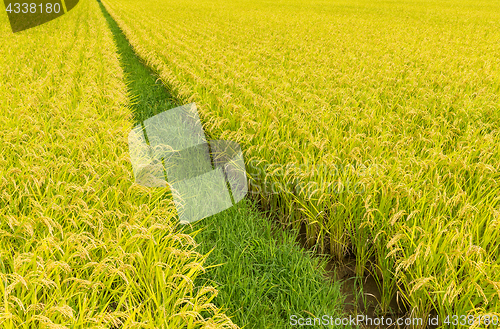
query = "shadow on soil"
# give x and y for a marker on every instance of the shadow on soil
(362, 294)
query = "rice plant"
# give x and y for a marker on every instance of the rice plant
(81, 245)
(404, 91)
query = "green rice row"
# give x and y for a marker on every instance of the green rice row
(81, 245)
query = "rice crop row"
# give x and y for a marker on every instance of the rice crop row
(81, 245)
(375, 123)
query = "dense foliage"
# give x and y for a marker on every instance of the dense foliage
(375, 123)
(81, 245)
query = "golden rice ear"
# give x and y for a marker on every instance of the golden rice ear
(23, 16)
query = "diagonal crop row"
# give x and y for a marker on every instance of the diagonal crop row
(375, 124)
(81, 245)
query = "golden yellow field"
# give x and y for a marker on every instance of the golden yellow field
(81, 245)
(374, 123)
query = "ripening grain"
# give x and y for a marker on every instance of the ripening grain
(82, 246)
(404, 92)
